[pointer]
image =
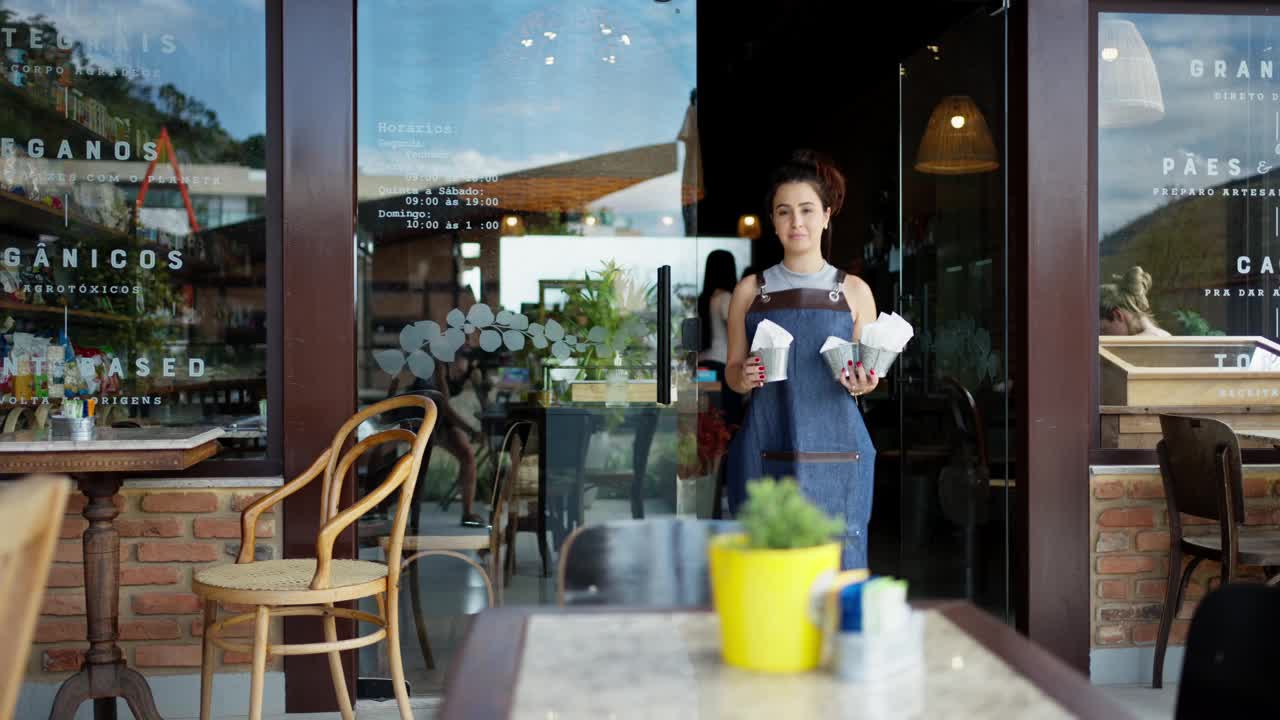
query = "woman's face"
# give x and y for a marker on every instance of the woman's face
(799, 218)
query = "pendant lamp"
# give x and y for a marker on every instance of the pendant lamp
(956, 140)
(1128, 86)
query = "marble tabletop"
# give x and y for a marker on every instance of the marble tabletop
(668, 665)
(107, 439)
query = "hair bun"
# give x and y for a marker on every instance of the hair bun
(1137, 281)
(826, 170)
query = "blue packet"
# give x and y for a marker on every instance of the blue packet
(851, 606)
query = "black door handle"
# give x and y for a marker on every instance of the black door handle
(664, 335)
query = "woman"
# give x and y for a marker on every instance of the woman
(807, 426)
(1124, 308)
(718, 281)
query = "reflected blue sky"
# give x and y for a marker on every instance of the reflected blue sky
(519, 83)
(1199, 122)
(219, 47)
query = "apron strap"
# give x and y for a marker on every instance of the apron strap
(764, 296)
(838, 289)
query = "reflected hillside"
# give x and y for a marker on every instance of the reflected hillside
(1191, 245)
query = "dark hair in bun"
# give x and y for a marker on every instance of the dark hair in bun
(809, 166)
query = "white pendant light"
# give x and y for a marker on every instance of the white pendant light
(1128, 85)
(956, 141)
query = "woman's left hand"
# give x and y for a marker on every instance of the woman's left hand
(857, 380)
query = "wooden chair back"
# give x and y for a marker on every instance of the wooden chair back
(504, 484)
(31, 512)
(1201, 469)
(968, 429)
(403, 477)
(659, 562)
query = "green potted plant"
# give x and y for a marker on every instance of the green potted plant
(761, 578)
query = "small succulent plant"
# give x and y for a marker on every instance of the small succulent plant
(777, 516)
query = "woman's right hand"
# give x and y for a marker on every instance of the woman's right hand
(752, 373)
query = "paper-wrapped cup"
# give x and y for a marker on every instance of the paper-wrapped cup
(840, 358)
(774, 360)
(878, 359)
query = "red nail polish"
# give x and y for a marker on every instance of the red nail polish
(850, 362)
(873, 373)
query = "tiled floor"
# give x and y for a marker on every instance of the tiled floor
(423, 709)
(1145, 703)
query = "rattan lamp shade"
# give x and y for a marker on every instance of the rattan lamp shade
(1128, 86)
(956, 140)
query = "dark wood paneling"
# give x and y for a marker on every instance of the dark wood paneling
(318, 304)
(275, 237)
(1016, 202)
(1058, 362)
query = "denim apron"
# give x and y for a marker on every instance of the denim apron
(807, 426)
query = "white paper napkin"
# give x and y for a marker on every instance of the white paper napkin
(889, 332)
(770, 334)
(833, 341)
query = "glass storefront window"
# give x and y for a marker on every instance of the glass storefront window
(132, 197)
(951, 463)
(525, 170)
(1188, 225)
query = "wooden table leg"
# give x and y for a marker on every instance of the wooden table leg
(104, 676)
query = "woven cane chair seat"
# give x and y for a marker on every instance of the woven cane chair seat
(268, 580)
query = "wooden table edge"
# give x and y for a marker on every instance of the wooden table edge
(1043, 669)
(107, 461)
(481, 684)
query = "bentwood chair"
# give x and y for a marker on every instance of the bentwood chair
(1202, 474)
(451, 539)
(31, 514)
(660, 562)
(281, 588)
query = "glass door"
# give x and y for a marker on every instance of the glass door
(528, 182)
(951, 262)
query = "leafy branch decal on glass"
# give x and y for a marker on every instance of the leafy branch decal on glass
(423, 343)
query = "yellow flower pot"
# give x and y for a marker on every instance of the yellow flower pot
(762, 598)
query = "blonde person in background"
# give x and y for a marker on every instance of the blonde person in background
(1124, 308)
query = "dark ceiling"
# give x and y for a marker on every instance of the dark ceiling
(775, 76)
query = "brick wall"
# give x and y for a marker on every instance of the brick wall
(1129, 553)
(166, 536)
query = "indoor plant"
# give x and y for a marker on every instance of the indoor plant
(761, 578)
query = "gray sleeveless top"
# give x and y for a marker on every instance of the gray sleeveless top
(778, 278)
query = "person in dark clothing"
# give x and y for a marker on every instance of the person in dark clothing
(718, 280)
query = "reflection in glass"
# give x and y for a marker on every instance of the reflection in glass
(1128, 84)
(132, 201)
(1188, 226)
(956, 141)
(524, 169)
(951, 472)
